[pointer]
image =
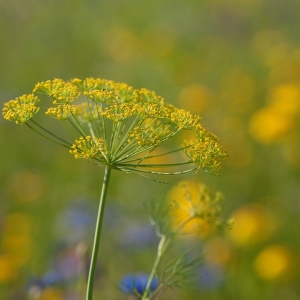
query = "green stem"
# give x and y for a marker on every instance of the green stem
(50, 139)
(90, 283)
(125, 164)
(138, 171)
(162, 246)
(160, 252)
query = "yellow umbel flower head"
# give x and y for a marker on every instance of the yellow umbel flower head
(193, 208)
(21, 109)
(119, 126)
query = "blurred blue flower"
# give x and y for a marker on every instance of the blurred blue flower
(48, 279)
(135, 284)
(51, 278)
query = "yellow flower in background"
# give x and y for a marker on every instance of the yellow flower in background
(196, 98)
(276, 120)
(16, 238)
(193, 209)
(253, 225)
(285, 99)
(268, 125)
(275, 262)
(19, 248)
(8, 269)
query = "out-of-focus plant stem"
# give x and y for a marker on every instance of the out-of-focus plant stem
(160, 252)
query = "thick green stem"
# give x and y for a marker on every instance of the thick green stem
(90, 283)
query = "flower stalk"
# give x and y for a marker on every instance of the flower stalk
(160, 252)
(91, 276)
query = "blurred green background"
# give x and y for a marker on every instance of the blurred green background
(234, 62)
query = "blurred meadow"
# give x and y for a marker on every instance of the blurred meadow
(236, 63)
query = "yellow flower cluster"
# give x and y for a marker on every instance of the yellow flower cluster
(184, 119)
(59, 90)
(89, 147)
(116, 124)
(150, 96)
(49, 87)
(68, 93)
(118, 112)
(206, 153)
(88, 112)
(90, 84)
(21, 109)
(100, 95)
(145, 137)
(62, 112)
(193, 208)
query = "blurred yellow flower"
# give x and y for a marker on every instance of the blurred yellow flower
(8, 269)
(195, 98)
(276, 120)
(193, 209)
(285, 99)
(268, 125)
(275, 262)
(253, 225)
(19, 248)
(17, 238)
